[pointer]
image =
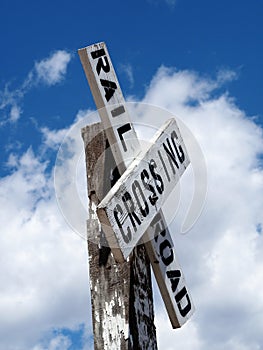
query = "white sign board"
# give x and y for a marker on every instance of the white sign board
(130, 206)
(126, 147)
(110, 103)
(168, 273)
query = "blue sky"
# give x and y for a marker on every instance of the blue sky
(202, 60)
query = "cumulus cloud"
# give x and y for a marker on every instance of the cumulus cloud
(226, 75)
(49, 71)
(53, 138)
(44, 275)
(15, 114)
(9, 105)
(60, 342)
(44, 272)
(128, 71)
(221, 254)
(53, 69)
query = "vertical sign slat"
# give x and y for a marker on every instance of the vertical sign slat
(110, 102)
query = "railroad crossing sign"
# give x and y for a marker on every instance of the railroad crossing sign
(129, 207)
(126, 212)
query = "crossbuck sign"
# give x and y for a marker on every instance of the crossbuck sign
(132, 209)
(128, 209)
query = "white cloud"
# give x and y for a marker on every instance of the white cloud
(60, 342)
(9, 105)
(53, 138)
(221, 255)
(48, 71)
(128, 71)
(188, 338)
(53, 69)
(44, 273)
(15, 114)
(226, 75)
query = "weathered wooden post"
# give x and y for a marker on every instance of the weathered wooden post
(121, 286)
(121, 293)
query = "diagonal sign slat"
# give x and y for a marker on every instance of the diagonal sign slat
(129, 207)
(126, 147)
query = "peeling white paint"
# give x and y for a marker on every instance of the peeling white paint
(112, 325)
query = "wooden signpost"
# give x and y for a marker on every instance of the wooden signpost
(133, 204)
(121, 293)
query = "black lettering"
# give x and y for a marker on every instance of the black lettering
(98, 53)
(122, 130)
(145, 180)
(180, 155)
(174, 276)
(103, 63)
(136, 186)
(171, 155)
(178, 298)
(118, 210)
(117, 111)
(130, 210)
(157, 220)
(109, 88)
(157, 177)
(163, 246)
(164, 166)
(159, 226)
